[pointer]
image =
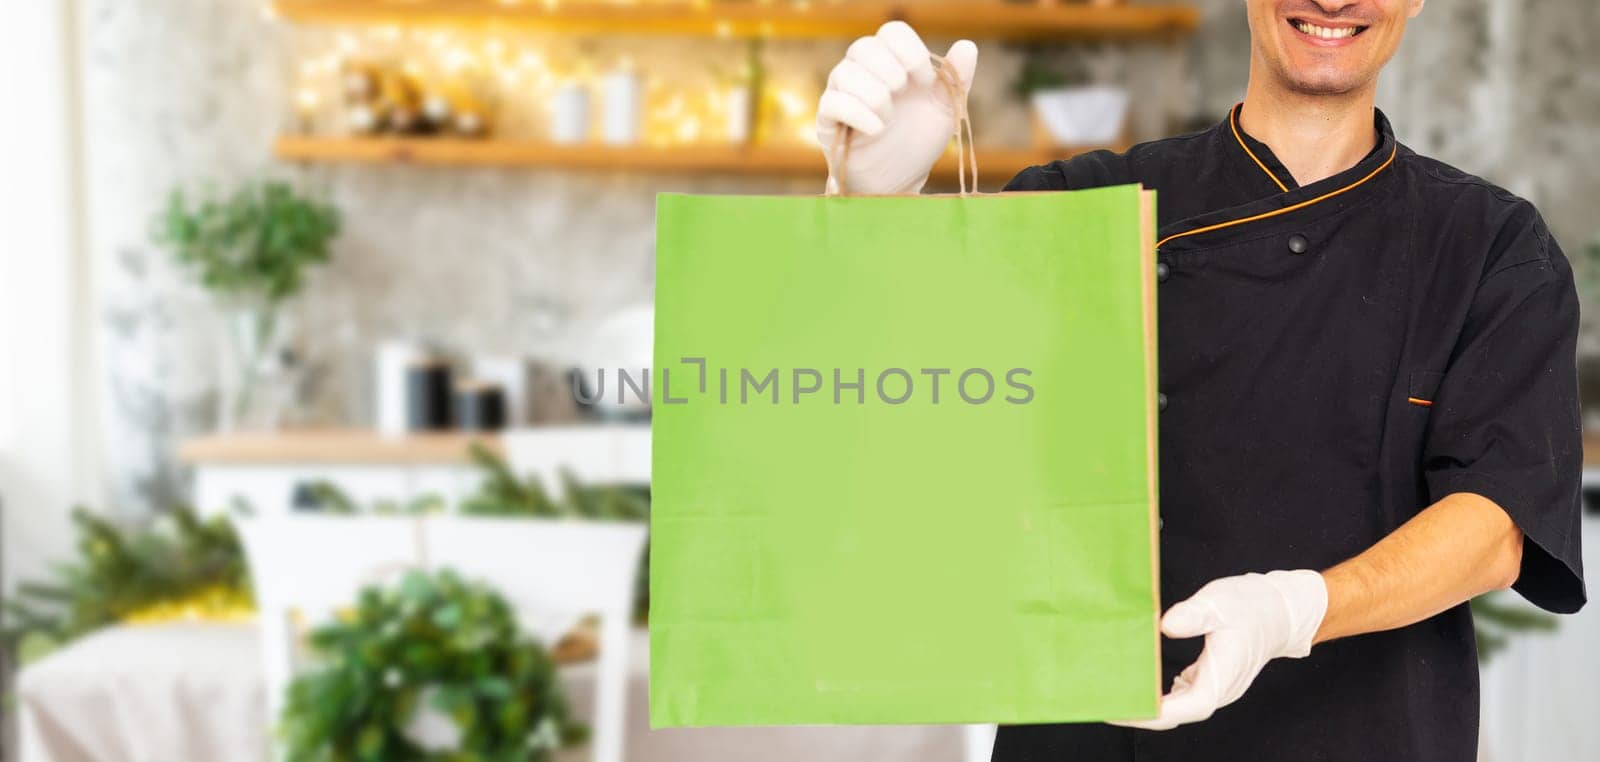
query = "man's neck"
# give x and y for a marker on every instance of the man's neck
(1314, 136)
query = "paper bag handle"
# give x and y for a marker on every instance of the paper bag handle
(965, 152)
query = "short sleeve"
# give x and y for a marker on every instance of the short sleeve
(1505, 422)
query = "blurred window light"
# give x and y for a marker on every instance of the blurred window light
(7, 372)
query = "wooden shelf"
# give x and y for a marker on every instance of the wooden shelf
(341, 446)
(995, 166)
(779, 18)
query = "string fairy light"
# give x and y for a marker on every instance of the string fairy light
(508, 77)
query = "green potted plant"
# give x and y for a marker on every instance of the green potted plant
(1072, 102)
(251, 250)
(433, 669)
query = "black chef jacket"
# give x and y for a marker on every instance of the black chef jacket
(1333, 359)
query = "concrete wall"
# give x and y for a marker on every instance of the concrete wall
(496, 261)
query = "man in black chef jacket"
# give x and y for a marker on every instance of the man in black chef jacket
(1368, 395)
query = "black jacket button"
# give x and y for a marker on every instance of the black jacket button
(1161, 403)
(1162, 272)
(1298, 244)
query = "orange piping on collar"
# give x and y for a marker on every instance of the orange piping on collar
(1419, 401)
(1233, 121)
(1285, 210)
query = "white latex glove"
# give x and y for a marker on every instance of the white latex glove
(887, 91)
(1248, 620)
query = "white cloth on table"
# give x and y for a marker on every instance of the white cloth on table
(192, 692)
(146, 693)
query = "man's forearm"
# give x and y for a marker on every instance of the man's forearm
(1458, 548)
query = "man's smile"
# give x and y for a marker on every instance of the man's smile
(1325, 33)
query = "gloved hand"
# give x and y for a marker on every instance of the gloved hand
(1247, 620)
(887, 91)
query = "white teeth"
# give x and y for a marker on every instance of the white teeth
(1326, 33)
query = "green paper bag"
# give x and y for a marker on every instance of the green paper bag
(904, 459)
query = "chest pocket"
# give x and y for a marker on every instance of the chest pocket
(1423, 386)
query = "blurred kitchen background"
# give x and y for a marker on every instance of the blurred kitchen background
(321, 270)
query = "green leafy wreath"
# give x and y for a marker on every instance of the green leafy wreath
(432, 642)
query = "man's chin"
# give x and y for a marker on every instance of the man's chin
(1325, 83)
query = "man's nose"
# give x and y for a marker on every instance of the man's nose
(1333, 7)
